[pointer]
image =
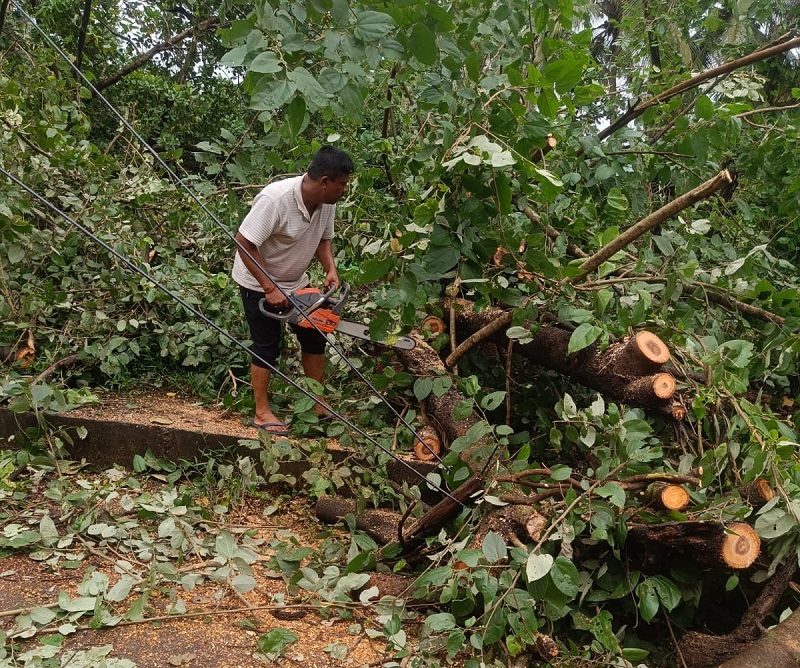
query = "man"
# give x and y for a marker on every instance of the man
(289, 224)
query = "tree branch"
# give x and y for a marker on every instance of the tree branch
(144, 58)
(638, 109)
(701, 192)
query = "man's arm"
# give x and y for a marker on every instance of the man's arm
(252, 260)
(325, 256)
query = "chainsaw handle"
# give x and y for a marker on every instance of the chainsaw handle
(338, 305)
(292, 313)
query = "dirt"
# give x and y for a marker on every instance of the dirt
(176, 410)
(227, 626)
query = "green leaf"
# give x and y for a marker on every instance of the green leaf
(295, 117)
(494, 547)
(423, 387)
(648, 600)
(441, 621)
(583, 336)
(274, 643)
(537, 566)
(272, 94)
(493, 400)
(704, 108)
(371, 25)
(314, 94)
(235, 57)
(266, 63)
(565, 577)
(226, 545)
(243, 583)
(16, 253)
(422, 43)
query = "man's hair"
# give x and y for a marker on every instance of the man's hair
(331, 162)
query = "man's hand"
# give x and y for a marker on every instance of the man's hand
(332, 280)
(276, 300)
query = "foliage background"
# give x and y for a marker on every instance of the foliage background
(448, 110)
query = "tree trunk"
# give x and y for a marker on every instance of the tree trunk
(710, 544)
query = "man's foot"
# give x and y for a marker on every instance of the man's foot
(278, 428)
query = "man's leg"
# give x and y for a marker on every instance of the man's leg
(314, 368)
(259, 377)
(266, 335)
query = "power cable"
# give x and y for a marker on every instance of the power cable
(130, 265)
(219, 224)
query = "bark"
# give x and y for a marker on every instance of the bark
(709, 544)
(3, 11)
(742, 648)
(445, 511)
(87, 12)
(386, 526)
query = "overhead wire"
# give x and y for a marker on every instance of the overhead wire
(201, 316)
(179, 182)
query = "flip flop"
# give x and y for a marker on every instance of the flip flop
(270, 427)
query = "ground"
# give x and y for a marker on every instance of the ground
(228, 624)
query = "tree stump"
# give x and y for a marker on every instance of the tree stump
(710, 544)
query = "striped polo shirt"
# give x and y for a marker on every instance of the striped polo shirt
(286, 236)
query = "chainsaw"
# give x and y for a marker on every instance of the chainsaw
(311, 305)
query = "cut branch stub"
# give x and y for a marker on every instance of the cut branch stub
(711, 544)
(649, 390)
(667, 496)
(757, 493)
(429, 447)
(433, 325)
(641, 355)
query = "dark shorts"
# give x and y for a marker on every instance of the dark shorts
(266, 333)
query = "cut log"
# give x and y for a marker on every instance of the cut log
(433, 325)
(710, 544)
(643, 353)
(424, 362)
(649, 390)
(445, 511)
(611, 371)
(757, 493)
(779, 648)
(667, 497)
(429, 447)
(379, 524)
